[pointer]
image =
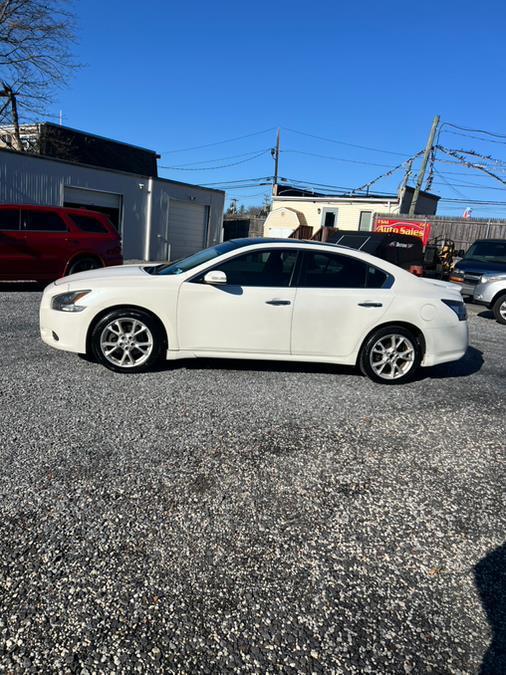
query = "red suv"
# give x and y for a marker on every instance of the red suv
(42, 243)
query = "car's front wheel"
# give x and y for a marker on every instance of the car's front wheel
(127, 341)
(499, 309)
(391, 355)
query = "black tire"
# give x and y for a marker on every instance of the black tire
(105, 334)
(397, 368)
(84, 264)
(499, 309)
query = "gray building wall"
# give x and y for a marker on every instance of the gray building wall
(29, 179)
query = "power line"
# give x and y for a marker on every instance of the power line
(256, 182)
(476, 131)
(472, 201)
(228, 140)
(338, 159)
(351, 145)
(212, 168)
(478, 138)
(220, 159)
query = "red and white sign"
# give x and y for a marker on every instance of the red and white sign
(412, 227)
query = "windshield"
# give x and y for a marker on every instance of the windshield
(487, 251)
(185, 264)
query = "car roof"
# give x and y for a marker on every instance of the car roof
(251, 241)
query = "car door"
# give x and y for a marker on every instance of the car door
(251, 313)
(14, 257)
(339, 298)
(46, 234)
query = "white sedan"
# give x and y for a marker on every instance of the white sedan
(273, 299)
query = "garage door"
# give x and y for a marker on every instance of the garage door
(104, 202)
(187, 228)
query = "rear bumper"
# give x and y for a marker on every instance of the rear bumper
(443, 345)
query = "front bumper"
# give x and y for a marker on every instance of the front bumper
(485, 293)
(63, 330)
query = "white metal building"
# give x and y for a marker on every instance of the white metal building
(157, 218)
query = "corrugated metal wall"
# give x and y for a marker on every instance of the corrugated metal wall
(29, 179)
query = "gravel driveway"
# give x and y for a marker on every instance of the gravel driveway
(225, 516)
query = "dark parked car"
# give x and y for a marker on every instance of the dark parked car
(44, 243)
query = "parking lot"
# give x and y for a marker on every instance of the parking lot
(254, 517)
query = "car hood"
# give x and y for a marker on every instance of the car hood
(104, 273)
(479, 266)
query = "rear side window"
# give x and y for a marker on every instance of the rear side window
(9, 219)
(329, 270)
(43, 221)
(377, 278)
(88, 224)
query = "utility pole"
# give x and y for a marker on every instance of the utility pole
(11, 100)
(421, 175)
(275, 154)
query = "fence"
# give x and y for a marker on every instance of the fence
(463, 231)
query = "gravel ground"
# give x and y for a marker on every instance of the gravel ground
(225, 516)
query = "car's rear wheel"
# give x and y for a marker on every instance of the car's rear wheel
(499, 309)
(127, 341)
(391, 355)
(84, 264)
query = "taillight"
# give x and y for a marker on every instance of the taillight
(417, 270)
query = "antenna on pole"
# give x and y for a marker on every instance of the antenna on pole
(60, 118)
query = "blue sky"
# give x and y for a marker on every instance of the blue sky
(171, 76)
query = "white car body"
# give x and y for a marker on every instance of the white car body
(303, 324)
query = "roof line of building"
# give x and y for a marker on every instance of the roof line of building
(102, 168)
(335, 198)
(87, 133)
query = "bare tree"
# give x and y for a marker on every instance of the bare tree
(35, 56)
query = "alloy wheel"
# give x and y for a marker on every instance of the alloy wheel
(392, 356)
(126, 342)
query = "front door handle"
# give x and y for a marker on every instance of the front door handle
(370, 304)
(278, 302)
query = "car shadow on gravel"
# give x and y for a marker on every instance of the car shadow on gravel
(469, 364)
(486, 314)
(257, 366)
(22, 286)
(490, 579)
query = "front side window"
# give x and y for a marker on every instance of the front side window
(330, 270)
(43, 221)
(9, 219)
(260, 268)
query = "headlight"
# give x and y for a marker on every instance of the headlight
(66, 302)
(486, 278)
(458, 307)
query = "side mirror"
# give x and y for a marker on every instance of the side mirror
(216, 277)
(460, 253)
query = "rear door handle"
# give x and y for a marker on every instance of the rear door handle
(278, 302)
(370, 304)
